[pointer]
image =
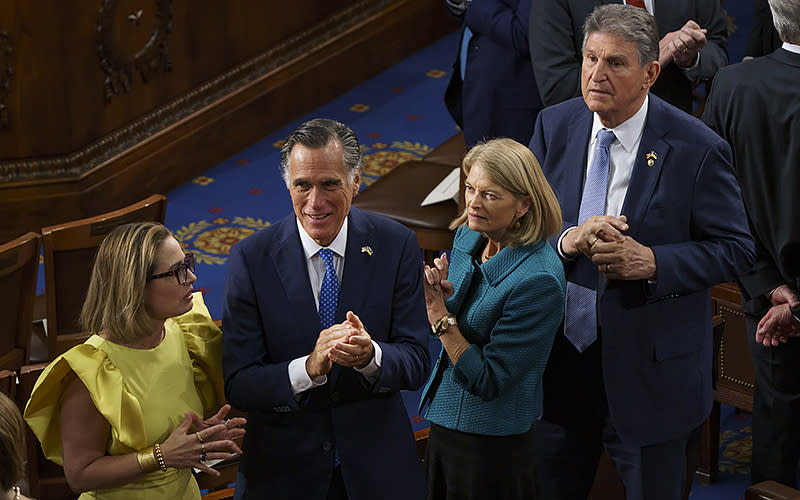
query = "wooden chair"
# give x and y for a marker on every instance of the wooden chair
(771, 490)
(734, 374)
(19, 263)
(69, 252)
(8, 383)
(45, 479)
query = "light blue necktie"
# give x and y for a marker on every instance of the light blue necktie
(464, 50)
(329, 291)
(580, 323)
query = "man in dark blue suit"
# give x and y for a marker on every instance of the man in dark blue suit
(325, 324)
(653, 217)
(492, 91)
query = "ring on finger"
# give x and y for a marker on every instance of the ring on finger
(199, 437)
(608, 268)
(227, 421)
(591, 243)
(202, 452)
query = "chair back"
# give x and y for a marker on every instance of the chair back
(8, 383)
(45, 479)
(19, 263)
(69, 253)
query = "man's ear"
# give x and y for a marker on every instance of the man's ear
(652, 70)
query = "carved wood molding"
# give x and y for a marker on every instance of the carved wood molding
(73, 165)
(6, 75)
(119, 65)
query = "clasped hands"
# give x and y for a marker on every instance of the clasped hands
(682, 46)
(437, 288)
(779, 323)
(617, 256)
(213, 440)
(347, 344)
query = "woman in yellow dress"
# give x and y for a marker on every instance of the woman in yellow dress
(118, 410)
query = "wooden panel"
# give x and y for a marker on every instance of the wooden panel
(736, 375)
(235, 72)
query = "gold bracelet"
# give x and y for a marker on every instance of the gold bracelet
(147, 460)
(159, 457)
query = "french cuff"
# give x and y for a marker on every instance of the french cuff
(299, 379)
(558, 246)
(373, 369)
(692, 72)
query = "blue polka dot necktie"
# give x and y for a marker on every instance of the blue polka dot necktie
(580, 322)
(329, 291)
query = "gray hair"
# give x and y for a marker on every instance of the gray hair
(786, 17)
(318, 133)
(629, 23)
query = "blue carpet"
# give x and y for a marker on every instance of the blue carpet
(398, 115)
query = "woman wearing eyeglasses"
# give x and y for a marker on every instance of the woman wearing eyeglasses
(120, 412)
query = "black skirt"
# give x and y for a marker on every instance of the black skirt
(464, 466)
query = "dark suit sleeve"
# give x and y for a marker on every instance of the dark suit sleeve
(552, 41)
(720, 245)
(251, 381)
(406, 363)
(715, 54)
(504, 24)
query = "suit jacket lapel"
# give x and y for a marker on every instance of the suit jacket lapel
(576, 153)
(290, 264)
(644, 177)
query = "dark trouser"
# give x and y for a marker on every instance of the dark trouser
(576, 428)
(776, 410)
(337, 491)
(464, 466)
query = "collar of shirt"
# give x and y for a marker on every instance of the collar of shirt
(622, 156)
(311, 247)
(649, 5)
(791, 47)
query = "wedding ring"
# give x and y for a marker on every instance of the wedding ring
(227, 421)
(683, 50)
(199, 437)
(594, 240)
(608, 267)
(202, 452)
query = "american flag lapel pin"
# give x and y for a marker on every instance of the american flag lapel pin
(366, 249)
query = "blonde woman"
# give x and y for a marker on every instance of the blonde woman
(12, 449)
(496, 307)
(120, 412)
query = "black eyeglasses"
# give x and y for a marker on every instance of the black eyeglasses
(181, 272)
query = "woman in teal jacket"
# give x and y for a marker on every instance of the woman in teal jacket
(495, 307)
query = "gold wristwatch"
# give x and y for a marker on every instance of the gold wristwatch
(445, 322)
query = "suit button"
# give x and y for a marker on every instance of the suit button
(336, 397)
(327, 446)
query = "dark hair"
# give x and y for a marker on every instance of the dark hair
(318, 133)
(629, 23)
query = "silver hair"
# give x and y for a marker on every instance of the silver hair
(318, 133)
(786, 17)
(629, 23)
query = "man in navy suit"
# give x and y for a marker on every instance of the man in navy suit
(630, 372)
(492, 91)
(325, 324)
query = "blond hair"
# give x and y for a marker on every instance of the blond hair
(514, 168)
(12, 444)
(115, 299)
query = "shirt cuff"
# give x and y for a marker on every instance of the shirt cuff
(558, 246)
(692, 72)
(373, 369)
(299, 379)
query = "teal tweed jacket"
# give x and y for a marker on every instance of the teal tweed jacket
(509, 308)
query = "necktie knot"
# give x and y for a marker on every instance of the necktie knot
(605, 137)
(326, 254)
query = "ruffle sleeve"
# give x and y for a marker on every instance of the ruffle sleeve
(204, 342)
(103, 380)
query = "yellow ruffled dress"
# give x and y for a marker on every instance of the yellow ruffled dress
(143, 393)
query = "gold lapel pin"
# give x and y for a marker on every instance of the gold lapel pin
(651, 158)
(367, 250)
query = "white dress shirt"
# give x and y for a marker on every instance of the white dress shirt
(791, 47)
(622, 157)
(298, 376)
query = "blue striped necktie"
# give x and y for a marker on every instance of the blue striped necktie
(580, 322)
